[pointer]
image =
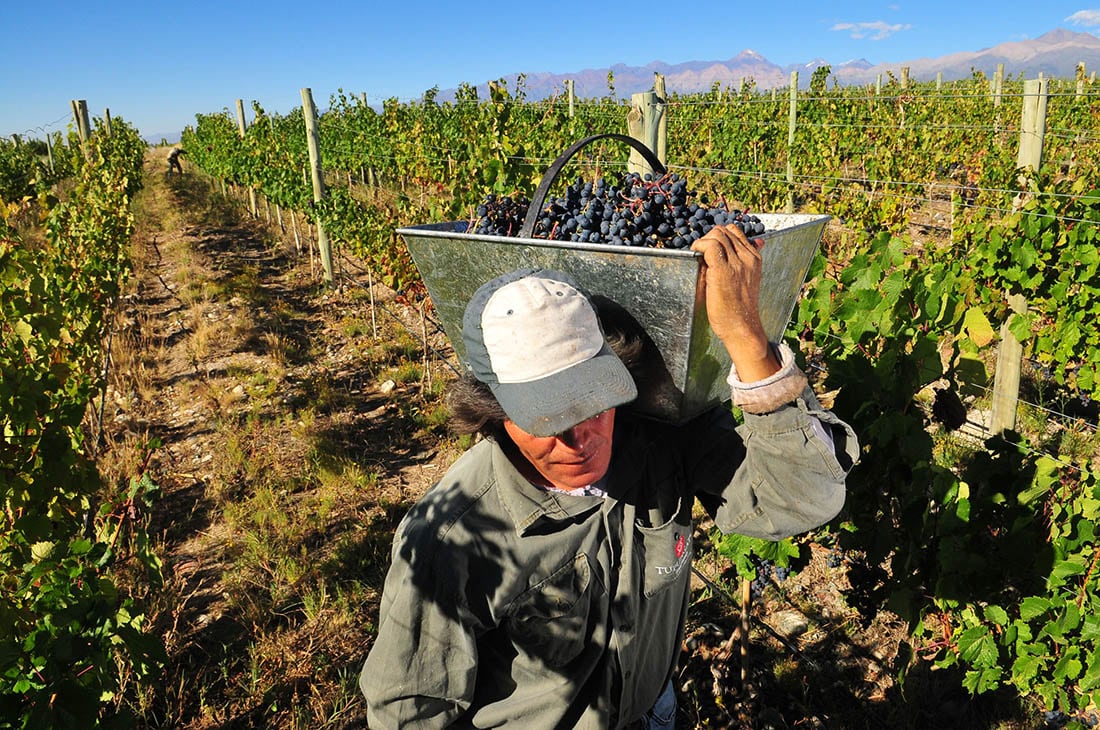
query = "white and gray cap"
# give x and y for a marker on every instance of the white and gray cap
(534, 338)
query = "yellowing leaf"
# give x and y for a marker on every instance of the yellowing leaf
(977, 327)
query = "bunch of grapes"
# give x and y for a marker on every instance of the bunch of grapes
(501, 215)
(1055, 719)
(766, 571)
(652, 211)
(836, 557)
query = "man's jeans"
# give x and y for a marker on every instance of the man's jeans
(662, 716)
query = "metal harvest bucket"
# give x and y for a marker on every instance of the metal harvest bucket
(650, 292)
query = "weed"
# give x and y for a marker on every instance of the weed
(408, 372)
(355, 327)
(403, 347)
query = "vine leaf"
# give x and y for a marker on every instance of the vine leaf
(977, 327)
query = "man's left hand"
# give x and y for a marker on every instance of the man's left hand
(732, 273)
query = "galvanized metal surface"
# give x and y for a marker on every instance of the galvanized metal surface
(655, 292)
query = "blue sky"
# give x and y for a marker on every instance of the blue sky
(157, 64)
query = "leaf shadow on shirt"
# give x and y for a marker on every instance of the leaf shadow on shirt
(490, 609)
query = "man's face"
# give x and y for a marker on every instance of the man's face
(573, 459)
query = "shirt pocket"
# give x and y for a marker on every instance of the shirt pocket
(668, 551)
(550, 620)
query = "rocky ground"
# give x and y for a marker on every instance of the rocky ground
(293, 424)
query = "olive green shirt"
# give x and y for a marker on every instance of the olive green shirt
(507, 605)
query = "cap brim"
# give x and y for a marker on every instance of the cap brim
(558, 402)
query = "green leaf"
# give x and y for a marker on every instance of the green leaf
(1046, 475)
(1020, 328)
(1024, 670)
(1067, 568)
(978, 681)
(1091, 678)
(997, 615)
(1033, 606)
(1068, 667)
(977, 647)
(23, 330)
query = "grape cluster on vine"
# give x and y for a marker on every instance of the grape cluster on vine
(633, 210)
(766, 572)
(1056, 719)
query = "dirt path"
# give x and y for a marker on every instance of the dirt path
(295, 426)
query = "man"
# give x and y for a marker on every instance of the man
(174, 160)
(544, 581)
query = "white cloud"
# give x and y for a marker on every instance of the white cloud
(1087, 18)
(876, 31)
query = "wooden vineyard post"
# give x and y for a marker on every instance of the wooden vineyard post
(309, 111)
(373, 319)
(363, 169)
(569, 93)
(242, 128)
(80, 119)
(662, 119)
(792, 121)
(85, 123)
(644, 124)
(1006, 384)
(425, 363)
(635, 127)
(49, 151)
(297, 236)
(278, 208)
(107, 121)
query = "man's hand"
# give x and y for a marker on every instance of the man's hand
(732, 266)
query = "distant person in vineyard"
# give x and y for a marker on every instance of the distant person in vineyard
(544, 581)
(174, 160)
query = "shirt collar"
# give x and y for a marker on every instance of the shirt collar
(526, 504)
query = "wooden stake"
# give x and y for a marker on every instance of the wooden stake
(1006, 385)
(297, 237)
(792, 122)
(373, 321)
(746, 603)
(49, 151)
(424, 336)
(242, 128)
(309, 111)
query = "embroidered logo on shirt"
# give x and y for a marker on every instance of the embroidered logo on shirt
(680, 548)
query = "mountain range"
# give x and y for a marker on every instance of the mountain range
(1054, 54)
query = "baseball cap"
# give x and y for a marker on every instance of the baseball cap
(533, 337)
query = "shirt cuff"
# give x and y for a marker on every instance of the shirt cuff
(765, 396)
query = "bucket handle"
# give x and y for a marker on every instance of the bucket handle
(539, 198)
